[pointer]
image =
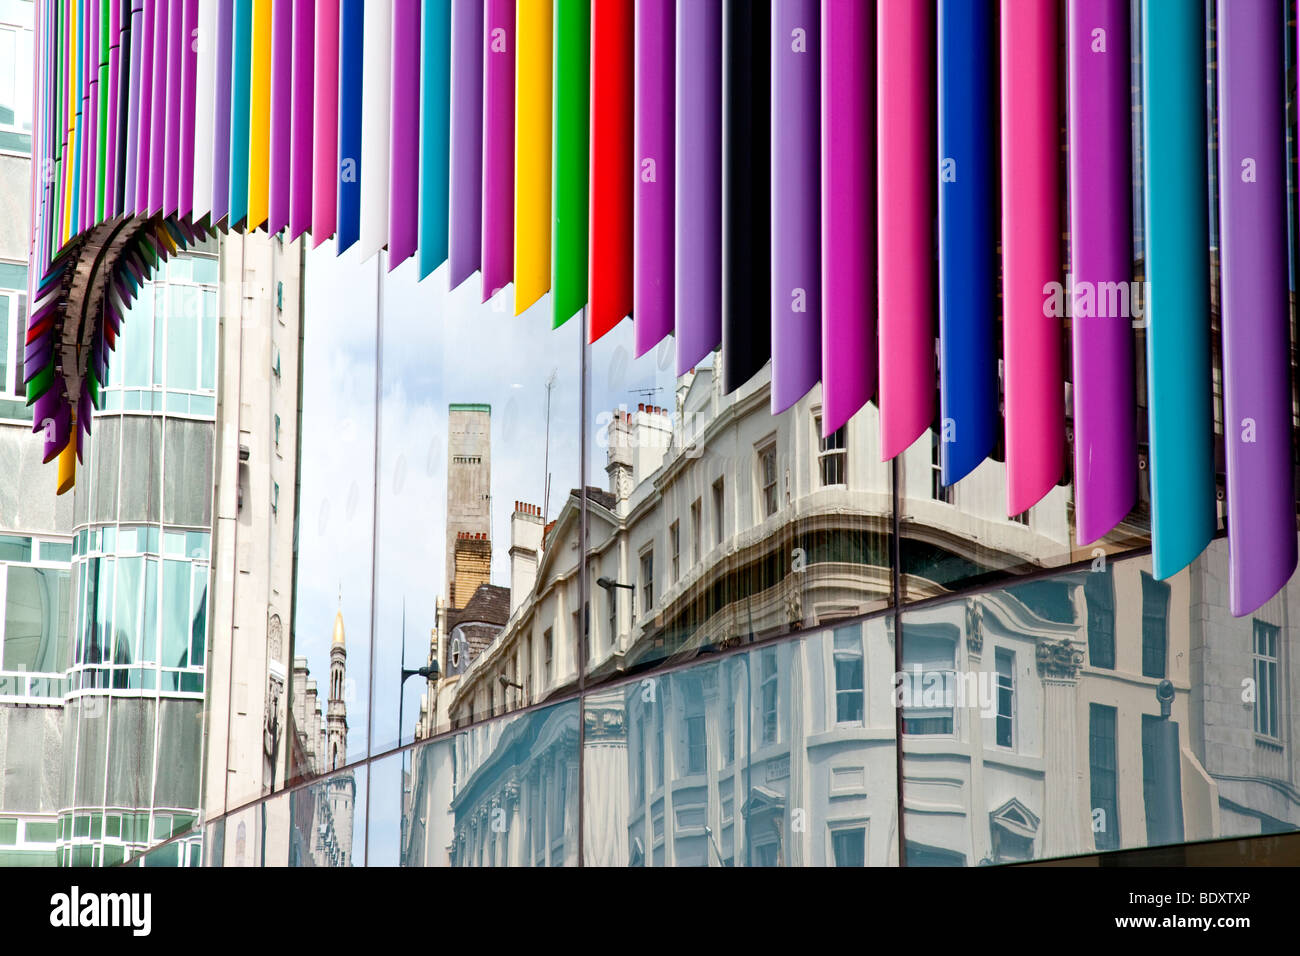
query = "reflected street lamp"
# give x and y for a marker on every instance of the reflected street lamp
(507, 683)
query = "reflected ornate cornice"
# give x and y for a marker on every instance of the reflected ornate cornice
(974, 625)
(604, 724)
(1059, 659)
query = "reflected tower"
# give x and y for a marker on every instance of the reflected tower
(340, 790)
(337, 714)
(469, 491)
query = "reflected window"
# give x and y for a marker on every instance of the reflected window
(1099, 595)
(1006, 721)
(582, 625)
(1266, 669)
(928, 683)
(696, 743)
(528, 669)
(848, 675)
(832, 455)
(1103, 772)
(730, 704)
(636, 751)
(611, 601)
(719, 515)
(648, 580)
(674, 549)
(849, 846)
(768, 687)
(919, 854)
(661, 715)
(11, 321)
(1155, 626)
(696, 532)
(16, 73)
(35, 619)
(767, 480)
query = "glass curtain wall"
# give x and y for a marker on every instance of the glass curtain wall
(135, 664)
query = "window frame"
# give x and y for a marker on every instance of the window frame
(24, 34)
(646, 575)
(1265, 668)
(836, 828)
(948, 670)
(1100, 598)
(1008, 719)
(762, 451)
(834, 456)
(947, 494)
(856, 652)
(611, 598)
(719, 511)
(675, 549)
(697, 531)
(769, 713)
(1103, 777)
(10, 337)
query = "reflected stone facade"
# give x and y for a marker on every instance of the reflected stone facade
(498, 794)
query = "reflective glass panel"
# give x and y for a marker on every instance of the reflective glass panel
(1094, 710)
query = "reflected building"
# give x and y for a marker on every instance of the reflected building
(322, 814)
(780, 756)
(1094, 709)
(502, 793)
(722, 525)
(469, 500)
(470, 610)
